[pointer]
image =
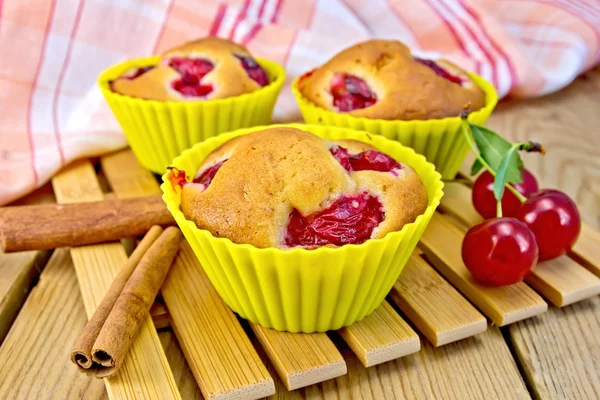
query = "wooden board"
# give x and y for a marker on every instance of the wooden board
(126, 177)
(441, 242)
(562, 281)
(34, 358)
(159, 315)
(587, 249)
(480, 367)
(301, 359)
(219, 353)
(560, 351)
(381, 337)
(19, 272)
(145, 372)
(438, 311)
(181, 371)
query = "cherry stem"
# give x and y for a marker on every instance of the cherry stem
(498, 208)
(469, 137)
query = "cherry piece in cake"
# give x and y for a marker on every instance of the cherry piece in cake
(351, 93)
(439, 70)
(192, 71)
(136, 73)
(254, 70)
(176, 177)
(369, 160)
(209, 174)
(350, 219)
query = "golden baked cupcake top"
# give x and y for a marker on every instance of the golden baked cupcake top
(381, 79)
(204, 69)
(284, 187)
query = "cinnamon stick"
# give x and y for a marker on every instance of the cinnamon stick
(106, 339)
(82, 351)
(50, 226)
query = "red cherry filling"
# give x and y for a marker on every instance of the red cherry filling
(439, 70)
(176, 177)
(254, 70)
(305, 76)
(351, 93)
(350, 219)
(132, 74)
(208, 175)
(192, 71)
(136, 73)
(369, 160)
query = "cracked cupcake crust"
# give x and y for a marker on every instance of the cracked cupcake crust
(214, 69)
(405, 87)
(269, 174)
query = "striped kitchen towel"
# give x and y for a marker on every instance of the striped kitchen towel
(51, 111)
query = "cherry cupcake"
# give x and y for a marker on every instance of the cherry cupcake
(380, 87)
(302, 228)
(165, 104)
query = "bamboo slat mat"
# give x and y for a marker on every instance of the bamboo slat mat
(502, 306)
(434, 305)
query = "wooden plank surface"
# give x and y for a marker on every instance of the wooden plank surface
(560, 351)
(503, 305)
(587, 249)
(438, 311)
(562, 280)
(479, 367)
(34, 358)
(20, 271)
(145, 372)
(159, 315)
(18, 274)
(381, 337)
(219, 353)
(301, 359)
(200, 319)
(181, 371)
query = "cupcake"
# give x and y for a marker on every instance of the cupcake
(284, 187)
(379, 86)
(302, 228)
(166, 104)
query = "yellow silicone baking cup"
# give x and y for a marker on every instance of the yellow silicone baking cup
(301, 290)
(158, 131)
(439, 140)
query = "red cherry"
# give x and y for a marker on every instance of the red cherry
(208, 174)
(369, 160)
(485, 202)
(136, 73)
(254, 70)
(350, 219)
(176, 177)
(192, 71)
(500, 251)
(554, 219)
(439, 70)
(351, 93)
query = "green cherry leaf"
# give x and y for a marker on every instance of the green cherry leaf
(501, 173)
(493, 149)
(476, 167)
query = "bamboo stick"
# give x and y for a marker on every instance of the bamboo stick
(301, 359)
(381, 337)
(440, 313)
